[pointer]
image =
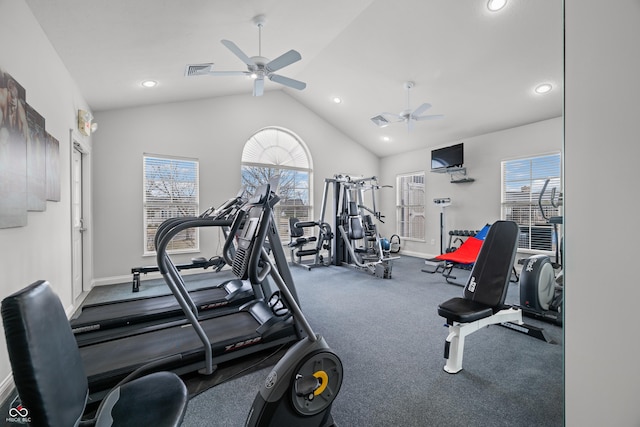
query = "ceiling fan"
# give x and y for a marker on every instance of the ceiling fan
(384, 119)
(258, 67)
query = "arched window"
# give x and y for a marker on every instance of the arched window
(275, 151)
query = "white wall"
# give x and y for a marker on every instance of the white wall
(42, 249)
(472, 204)
(214, 131)
(602, 151)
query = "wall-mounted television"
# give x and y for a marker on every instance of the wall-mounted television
(447, 157)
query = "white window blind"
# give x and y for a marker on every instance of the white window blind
(410, 208)
(522, 183)
(170, 191)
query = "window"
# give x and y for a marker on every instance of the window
(170, 191)
(522, 183)
(272, 152)
(410, 219)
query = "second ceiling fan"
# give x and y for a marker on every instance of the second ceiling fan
(258, 67)
(408, 116)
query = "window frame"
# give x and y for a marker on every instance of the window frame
(410, 206)
(513, 206)
(283, 221)
(192, 205)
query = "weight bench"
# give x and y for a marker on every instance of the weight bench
(464, 256)
(482, 303)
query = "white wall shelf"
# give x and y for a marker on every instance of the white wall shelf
(458, 174)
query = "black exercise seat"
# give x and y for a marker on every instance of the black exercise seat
(355, 228)
(49, 375)
(297, 232)
(463, 310)
(482, 303)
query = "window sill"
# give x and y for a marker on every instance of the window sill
(176, 252)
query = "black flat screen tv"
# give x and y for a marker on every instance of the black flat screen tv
(447, 157)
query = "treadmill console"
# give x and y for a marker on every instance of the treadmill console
(248, 233)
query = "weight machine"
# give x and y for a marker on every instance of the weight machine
(298, 244)
(358, 242)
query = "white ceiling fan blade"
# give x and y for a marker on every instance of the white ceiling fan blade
(431, 117)
(295, 84)
(409, 125)
(421, 109)
(258, 87)
(228, 73)
(207, 70)
(283, 60)
(238, 52)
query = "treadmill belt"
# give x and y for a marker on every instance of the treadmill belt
(142, 307)
(126, 354)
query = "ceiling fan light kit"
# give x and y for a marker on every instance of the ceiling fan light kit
(409, 116)
(258, 67)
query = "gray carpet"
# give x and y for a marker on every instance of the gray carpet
(390, 339)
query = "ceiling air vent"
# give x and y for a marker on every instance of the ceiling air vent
(198, 69)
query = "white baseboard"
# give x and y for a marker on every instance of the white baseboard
(414, 254)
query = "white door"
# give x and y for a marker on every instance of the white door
(77, 226)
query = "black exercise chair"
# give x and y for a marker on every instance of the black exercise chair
(50, 378)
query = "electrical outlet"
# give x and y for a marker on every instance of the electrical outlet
(433, 241)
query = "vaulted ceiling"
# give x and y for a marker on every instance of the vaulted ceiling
(476, 67)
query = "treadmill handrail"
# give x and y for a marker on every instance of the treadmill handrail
(177, 286)
(166, 226)
(180, 224)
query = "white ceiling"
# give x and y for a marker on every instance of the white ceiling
(477, 68)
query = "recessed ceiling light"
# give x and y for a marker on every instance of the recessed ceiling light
(543, 88)
(386, 139)
(149, 83)
(336, 100)
(495, 5)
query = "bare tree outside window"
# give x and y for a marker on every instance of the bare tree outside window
(170, 191)
(274, 152)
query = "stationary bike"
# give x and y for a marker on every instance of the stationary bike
(301, 388)
(541, 291)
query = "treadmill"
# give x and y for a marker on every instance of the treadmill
(107, 318)
(202, 343)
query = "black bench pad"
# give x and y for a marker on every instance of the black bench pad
(464, 310)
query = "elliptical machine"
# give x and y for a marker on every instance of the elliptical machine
(300, 389)
(541, 290)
